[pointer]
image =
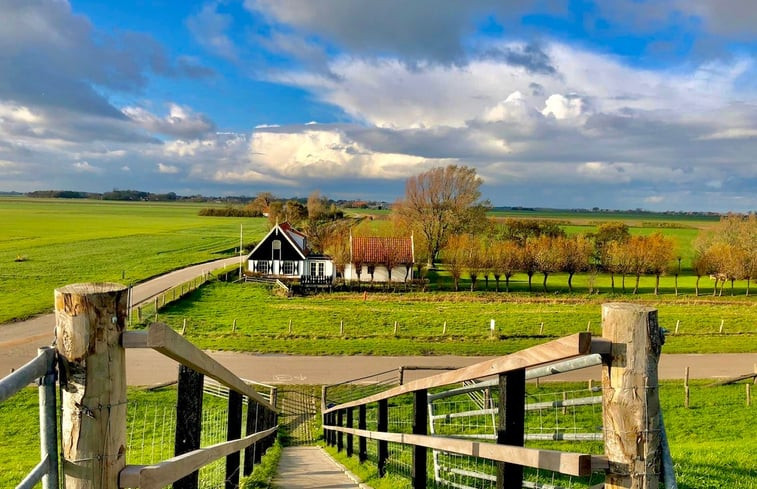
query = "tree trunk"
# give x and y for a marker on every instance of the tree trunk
(657, 284)
(570, 281)
(612, 282)
(623, 282)
(636, 287)
(457, 284)
(722, 286)
(696, 286)
(530, 276)
(486, 282)
(715, 288)
(676, 284)
(496, 282)
(546, 274)
(473, 279)
(748, 279)
(732, 280)
(507, 283)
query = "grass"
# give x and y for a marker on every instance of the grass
(263, 321)
(63, 242)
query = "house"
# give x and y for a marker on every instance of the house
(284, 253)
(376, 259)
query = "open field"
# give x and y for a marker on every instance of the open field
(262, 321)
(59, 242)
(712, 443)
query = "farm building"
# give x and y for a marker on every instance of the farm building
(284, 253)
(376, 259)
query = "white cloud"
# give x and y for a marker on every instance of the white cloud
(181, 121)
(562, 107)
(126, 168)
(168, 169)
(85, 167)
(732, 133)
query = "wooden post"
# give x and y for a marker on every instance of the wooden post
(233, 432)
(290, 326)
(362, 449)
(250, 428)
(89, 321)
(139, 313)
(748, 394)
(686, 389)
(678, 323)
(630, 404)
(350, 445)
(341, 328)
(722, 322)
(420, 427)
(184, 327)
(155, 303)
(383, 446)
(541, 328)
(340, 435)
(588, 326)
(234, 326)
(395, 328)
(444, 329)
(188, 420)
(511, 425)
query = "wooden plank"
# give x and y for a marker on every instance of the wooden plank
(164, 473)
(163, 339)
(568, 463)
(553, 351)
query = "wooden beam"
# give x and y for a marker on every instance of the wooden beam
(568, 463)
(164, 473)
(553, 351)
(163, 339)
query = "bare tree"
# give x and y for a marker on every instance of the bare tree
(442, 202)
(455, 255)
(660, 253)
(528, 261)
(476, 260)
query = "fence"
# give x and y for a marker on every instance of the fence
(90, 358)
(148, 309)
(479, 440)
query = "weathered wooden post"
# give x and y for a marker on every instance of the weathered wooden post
(630, 405)
(89, 321)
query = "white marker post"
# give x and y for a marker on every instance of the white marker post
(492, 325)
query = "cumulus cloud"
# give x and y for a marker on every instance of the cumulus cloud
(180, 121)
(563, 107)
(209, 27)
(85, 167)
(168, 169)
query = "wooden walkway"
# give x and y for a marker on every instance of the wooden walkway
(310, 467)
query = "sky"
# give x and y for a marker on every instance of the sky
(618, 104)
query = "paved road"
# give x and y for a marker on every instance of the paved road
(145, 367)
(19, 341)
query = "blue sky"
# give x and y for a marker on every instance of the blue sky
(556, 103)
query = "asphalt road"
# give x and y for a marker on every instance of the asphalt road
(19, 342)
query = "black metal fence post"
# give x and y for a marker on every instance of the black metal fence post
(420, 427)
(188, 420)
(510, 427)
(349, 435)
(383, 446)
(340, 435)
(233, 432)
(362, 450)
(250, 428)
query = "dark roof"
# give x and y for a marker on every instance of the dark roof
(376, 250)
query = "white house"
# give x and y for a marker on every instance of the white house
(284, 253)
(377, 259)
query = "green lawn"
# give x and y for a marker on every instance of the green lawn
(263, 321)
(59, 242)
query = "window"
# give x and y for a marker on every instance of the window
(287, 268)
(261, 266)
(312, 269)
(320, 269)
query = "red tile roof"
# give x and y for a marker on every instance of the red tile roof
(376, 250)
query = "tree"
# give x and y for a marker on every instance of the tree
(528, 260)
(443, 202)
(549, 257)
(316, 206)
(636, 254)
(576, 253)
(336, 244)
(476, 260)
(260, 203)
(456, 256)
(659, 253)
(508, 259)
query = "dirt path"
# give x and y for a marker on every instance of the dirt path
(306, 467)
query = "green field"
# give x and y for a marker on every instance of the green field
(59, 242)
(262, 321)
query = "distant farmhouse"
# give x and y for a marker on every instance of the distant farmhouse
(375, 259)
(284, 253)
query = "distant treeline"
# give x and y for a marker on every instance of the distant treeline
(230, 211)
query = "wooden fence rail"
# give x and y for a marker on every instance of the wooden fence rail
(628, 350)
